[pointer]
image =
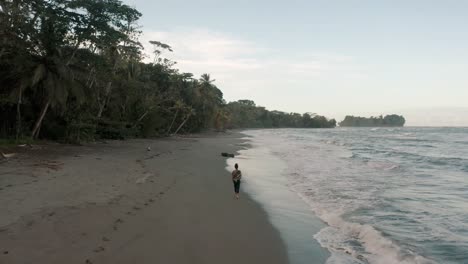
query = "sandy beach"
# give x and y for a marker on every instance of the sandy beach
(117, 202)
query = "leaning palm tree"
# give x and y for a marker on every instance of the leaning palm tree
(56, 81)
(179, 105)
(189, 112)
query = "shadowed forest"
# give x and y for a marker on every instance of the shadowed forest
(73, 70)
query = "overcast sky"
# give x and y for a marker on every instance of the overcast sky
(360, 57)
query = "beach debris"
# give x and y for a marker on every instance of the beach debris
(144, 178)
(88, 261)
(105, 239)
(5, 252)
(224, 154)
(8, 155)
(148, 148)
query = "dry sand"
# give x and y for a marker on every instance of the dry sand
(119, 203)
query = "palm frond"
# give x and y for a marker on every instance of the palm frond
(40, 73)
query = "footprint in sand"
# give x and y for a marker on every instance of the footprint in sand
(99, 249)
(136, 208)
(105, 239)
(116, 222)
(30, 223)
(88, 261)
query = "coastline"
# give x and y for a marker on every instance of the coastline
(119, 203)
(266, 183)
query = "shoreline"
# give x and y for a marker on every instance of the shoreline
(119, 203)
(267, 184)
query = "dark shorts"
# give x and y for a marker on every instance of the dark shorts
(236, 186)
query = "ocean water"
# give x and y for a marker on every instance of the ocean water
(366, 195)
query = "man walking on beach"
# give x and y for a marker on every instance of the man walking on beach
(236, 179)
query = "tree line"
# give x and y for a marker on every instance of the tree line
(387, 121)
(73, 70)
(245, 114)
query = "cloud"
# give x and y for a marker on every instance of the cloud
(201, 45)
(244, 69)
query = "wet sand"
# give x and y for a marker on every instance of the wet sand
(120, 203)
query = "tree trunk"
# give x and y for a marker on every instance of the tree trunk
(18, 112)
(141, 118)
(181, 125)
(38, 124)
(108, 90)
(91, 77)
(103, 104)
(172, 123)
(75, 49)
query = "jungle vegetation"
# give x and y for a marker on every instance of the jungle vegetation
(380, 121)
(74, 70)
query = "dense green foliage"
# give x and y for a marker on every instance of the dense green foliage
(387, 121)
(74, 70)
(245, 114)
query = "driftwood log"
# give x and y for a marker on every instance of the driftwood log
(224, 154)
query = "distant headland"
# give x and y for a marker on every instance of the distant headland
(380, 121)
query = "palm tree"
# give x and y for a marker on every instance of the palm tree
(56, 82)
(209, 98)
(205, 78)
